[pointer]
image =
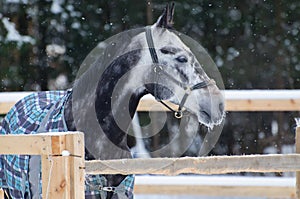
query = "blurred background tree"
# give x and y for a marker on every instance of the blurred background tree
(254, 43)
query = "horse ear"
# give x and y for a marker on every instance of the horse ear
(166, 19)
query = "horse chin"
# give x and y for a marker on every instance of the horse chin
(205, 119)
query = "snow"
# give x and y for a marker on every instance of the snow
(216, 181)
(14, 35)
(56, 7)
(12, 96)
(139, 151)
(59, 83)
(285, 149)
(17, 1)
(262, 94)
(297, 120)
(54, 50)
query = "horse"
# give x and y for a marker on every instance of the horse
(103, 100)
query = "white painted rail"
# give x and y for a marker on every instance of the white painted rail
(236, 100)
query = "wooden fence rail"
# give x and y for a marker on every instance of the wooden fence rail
(236, 100)
(197, 165)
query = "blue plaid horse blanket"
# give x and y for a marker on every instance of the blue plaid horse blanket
(25, 118)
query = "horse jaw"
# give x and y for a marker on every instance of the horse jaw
(206, 104)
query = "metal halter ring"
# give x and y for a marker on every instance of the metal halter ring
(178, 114)
(157, 68)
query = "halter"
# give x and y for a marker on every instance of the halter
(158, 70)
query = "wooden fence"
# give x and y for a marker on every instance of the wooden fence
(64, 167)
(62, 156)
(63, 153)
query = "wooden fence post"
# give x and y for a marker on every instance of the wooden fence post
(298, 172)
(63, 174)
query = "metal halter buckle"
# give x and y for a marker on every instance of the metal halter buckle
(108, 189)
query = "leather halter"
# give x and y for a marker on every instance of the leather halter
(158, 69)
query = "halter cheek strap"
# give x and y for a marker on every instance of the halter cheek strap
(158, 70)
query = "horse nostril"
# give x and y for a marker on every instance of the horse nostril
(221, 107)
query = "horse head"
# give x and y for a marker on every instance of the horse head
(176, 75)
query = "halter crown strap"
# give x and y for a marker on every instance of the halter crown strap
(151, 45)
(154, 57)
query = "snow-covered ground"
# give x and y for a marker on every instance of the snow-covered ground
(189, 197)
(217, 181)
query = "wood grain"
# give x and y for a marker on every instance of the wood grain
(197, 165)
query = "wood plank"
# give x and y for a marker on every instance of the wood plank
(33, 144)
(297, 143)
(25, 144)
(197, 165)
(211, 190)
(1, 194)
(55, 178)
(58, 144)
(75, 144)
(63, 173)
(46, 168)
(6, 106)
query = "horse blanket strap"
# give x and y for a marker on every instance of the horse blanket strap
(26, 117)
(96, 185)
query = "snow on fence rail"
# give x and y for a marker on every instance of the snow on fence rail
(236, 100)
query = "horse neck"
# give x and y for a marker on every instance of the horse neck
(103, 114)
(117, 97)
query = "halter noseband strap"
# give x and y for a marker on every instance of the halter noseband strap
(157, 69)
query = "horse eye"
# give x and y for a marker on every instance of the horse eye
(164, 51)
(182, 59)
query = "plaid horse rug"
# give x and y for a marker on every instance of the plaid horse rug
(43, 110)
